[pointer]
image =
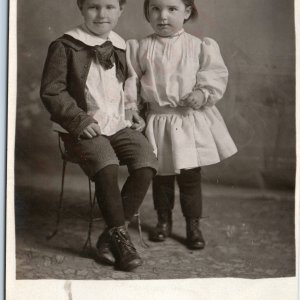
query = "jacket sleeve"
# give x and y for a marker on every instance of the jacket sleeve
(62, 106)
(132, 83)
(212, 76)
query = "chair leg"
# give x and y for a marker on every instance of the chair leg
(143, 243)
(92, 200)
(60, 203)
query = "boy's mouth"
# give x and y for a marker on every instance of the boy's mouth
(101, 22)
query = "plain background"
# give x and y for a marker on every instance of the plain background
(257, 42)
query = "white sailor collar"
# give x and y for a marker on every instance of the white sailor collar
(82, 34)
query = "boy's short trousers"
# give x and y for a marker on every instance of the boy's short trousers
(126, 147)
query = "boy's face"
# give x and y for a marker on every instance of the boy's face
(167, 16)
(101, 16)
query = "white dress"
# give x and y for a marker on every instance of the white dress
(164, 70)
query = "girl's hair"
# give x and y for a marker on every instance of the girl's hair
(187, 3)
(80, 3)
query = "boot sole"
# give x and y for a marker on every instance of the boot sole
(104, 260)
(196, 247)
(131, 265)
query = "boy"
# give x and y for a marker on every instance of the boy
(82, 88)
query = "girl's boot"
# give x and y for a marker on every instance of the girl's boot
(194, 235)
(163, 228)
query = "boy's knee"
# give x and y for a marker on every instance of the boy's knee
(146, 173)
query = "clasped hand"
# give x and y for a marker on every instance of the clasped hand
(195, 100)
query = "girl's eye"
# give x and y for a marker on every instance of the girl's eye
(153, 8)
(172, 9)
(110, 7)
(92, 7)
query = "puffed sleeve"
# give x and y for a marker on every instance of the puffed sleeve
(132, 84)
(212, 76)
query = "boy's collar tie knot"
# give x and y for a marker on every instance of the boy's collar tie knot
(107, 57)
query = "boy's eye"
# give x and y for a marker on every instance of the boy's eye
(110, 7)
(172, 8)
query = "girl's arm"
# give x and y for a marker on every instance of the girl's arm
(132, 86)
(212, 76)
(62, 107)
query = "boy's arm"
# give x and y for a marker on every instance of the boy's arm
(62, 107)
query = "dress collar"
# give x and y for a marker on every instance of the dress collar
(82, 34)
(178, 33)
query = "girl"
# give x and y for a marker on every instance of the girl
(181, 78)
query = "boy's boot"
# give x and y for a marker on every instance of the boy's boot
(194, 235)
(124, 252)
(163, 228)
(103, 249)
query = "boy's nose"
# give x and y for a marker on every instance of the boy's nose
(101, 12)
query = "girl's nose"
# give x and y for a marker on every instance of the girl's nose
(163, 14)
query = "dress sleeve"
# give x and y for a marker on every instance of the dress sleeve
(212, 76)
(132, 84)
(62, 106)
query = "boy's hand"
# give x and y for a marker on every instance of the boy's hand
(91, 131)
(195, 100)
(138, 122)
(128, 114)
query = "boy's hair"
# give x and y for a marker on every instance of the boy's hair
(187, 3)
(80, 3)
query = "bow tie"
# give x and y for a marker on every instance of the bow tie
(107, 57)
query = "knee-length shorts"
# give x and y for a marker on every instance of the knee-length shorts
(126, 147)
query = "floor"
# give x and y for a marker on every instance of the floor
(249, 234)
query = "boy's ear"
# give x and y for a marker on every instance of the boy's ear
(122, 8)
(188, 11)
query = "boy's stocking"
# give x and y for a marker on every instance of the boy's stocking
(109, 196)
(134, 190)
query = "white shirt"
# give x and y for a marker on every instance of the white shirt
(103, 92)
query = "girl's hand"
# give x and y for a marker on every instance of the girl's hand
(138, 122)
(91, 131)
(195, 100)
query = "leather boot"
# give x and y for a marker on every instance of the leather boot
(163, 228)
(103, 249)
(194, 235)
(124, 252)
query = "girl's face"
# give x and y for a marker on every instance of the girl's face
(167, 16)
(101, 16)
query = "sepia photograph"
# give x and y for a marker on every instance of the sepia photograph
(152, 143)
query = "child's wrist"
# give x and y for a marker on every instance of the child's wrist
(205, 93)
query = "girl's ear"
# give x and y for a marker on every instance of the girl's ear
(188, 11)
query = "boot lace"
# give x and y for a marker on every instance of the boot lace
(121, 237)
